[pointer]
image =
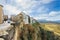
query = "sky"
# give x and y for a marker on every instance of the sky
(39, 9)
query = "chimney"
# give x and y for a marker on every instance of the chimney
(1, 14)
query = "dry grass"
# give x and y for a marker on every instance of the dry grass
(52, 27)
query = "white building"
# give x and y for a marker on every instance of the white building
(25, 18)
(31, 20)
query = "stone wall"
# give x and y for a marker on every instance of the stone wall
(5, 17)
(1, 14)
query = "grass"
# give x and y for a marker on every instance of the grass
(52, 27)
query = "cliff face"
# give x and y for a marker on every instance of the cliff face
(30, 32)
(19, 30)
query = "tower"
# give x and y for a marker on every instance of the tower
(1, 14)
(19, 27)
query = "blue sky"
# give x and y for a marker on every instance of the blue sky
(39, 9)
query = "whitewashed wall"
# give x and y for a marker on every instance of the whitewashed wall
(34, 20)
(31, 20)
(25, 18)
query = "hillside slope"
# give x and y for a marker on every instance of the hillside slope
(52, 27)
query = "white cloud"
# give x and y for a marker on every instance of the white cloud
(46, 1)
(25, 5)
(55, 18)
(42, 9)
(54, 13)
(2, 2)
(11, 9)
(27, 12)
(28, 5)
(52, 16)
(41, 16)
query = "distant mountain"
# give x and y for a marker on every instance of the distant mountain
(45, 21)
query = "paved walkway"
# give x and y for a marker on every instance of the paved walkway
(4, 25)
(1, 39)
